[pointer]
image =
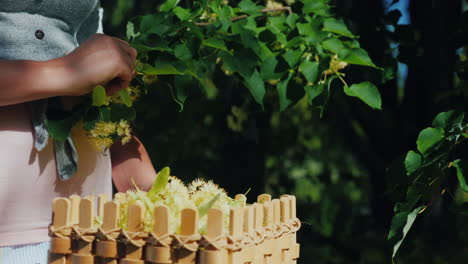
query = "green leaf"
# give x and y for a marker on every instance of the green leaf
(216, 43)
(310, 70)
(442, 120)
(413, 162)
(105, 113)
(182, 52)
(292, 57)
(462, 173)
(118, 112)
(160, 182)
(168, 5)
(398, 221)
(256, 86)
(204, 208)
(181, 88)
(249, 7)
(314, 91)
(311, 32)
(320, 8)
(428, 138)
(367, 92)
(99, 97)
(291, 20)
(408, 222)
(160, 69)
(337, 26)
(59, 129)
(125, 96)
(335, 46)
(282, 88)
(267, 70)
(359, 57)
(182, 13)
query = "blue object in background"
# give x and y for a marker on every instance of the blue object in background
(405, 19)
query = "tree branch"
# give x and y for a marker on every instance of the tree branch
(265, 10)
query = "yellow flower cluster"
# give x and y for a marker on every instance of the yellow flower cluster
(177, 196)
(133, 92)
(103, 132)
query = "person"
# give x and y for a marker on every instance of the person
(52, 48)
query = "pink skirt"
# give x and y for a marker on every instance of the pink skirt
(28, 179)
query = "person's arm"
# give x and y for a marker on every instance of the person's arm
(22, 81)
(131, 161)
(101, 60)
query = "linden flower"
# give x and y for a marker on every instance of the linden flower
(101, 143)
(104, 129)
(124, 130)
(176, 197)
(335, 65)
(199, 194)
(133, 92)
(204, 194)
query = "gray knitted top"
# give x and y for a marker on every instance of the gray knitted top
(42, 30)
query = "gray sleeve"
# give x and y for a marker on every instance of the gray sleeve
(92, 24)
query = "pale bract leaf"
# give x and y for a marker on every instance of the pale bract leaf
(125, 97)
(160, 182)
(410, 218)
(204, 208)
(99, 97)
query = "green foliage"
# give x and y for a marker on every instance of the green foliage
(282, 46)
(428, 168)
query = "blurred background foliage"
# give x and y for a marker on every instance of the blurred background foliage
(335, 165)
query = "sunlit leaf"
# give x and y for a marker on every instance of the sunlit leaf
(160, 182)
(358, 57)
(428, 138)
(337, 26)
(99, 97)
(367, 92)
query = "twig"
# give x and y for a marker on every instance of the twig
(265, 10)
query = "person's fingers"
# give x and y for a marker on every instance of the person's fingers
(132, 52)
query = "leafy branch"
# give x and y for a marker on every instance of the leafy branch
(427, 169)
(265, 10)
(286, 52)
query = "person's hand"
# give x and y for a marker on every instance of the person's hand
(101, 60)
